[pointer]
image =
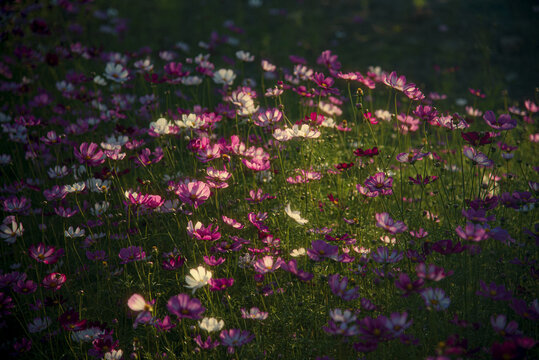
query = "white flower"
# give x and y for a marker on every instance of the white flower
(116, 72)
(98, 185)
(114, 355)
(244, 56)
(199, 278)
(211, 324)
(282, 135)
(298, 252)
(383, 115)
(38, 324)
(76, 187)
(10, 230)
(224, 76)
(161, 126)
(295, 215)
(99, 80)
(87, 335)
(192, 80)
(74, 233)
(5, 159)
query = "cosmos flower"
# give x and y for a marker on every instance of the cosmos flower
(295, 215)
(211, 324)
(183, 306)
(199, 278)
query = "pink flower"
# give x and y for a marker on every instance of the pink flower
(472, 232)
(45, 253)
(89, 154)
(384, 221)
(267, 264)
(395, 81)
(193, 193)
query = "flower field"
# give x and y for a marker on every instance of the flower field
(200, 200)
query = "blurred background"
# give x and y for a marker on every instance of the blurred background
(445, 46)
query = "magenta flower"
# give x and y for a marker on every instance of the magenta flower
(131, 253)
(147, 157)
(212, 261)
(89, 154)
(45, 254)
(6, 304)
(431, 272)
(382, 255)
(395, 81)
(54, 281)
(207, 233)
(384, 221)
(477, 157)
(208, 344)
(405, 284)
(504, 121)
(235, 338)
(183, 306)
(338, 287)
(472, 232)
(220, 284)
(24, 286)
(193, 193)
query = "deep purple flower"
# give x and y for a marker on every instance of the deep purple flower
(183, 306)
(374, 330)
(383, 255)
(320, 250)
(494, 291)
(528, 312)
(479, 215)
(338, 287)
(477, 157)
(504, 121)
(131, 253)
(405, 284)
(292, 267)
(235, 338)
